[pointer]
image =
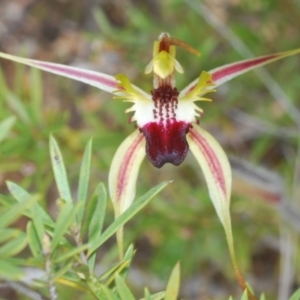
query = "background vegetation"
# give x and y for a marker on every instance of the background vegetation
(246, 116)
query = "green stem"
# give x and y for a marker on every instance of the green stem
(120, 243)
(240, 278)
(119, 235)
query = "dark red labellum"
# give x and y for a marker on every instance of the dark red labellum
(166, 143)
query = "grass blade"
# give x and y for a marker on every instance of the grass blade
(70, 253)
(95, 211)
(96, 288)
(9, 233)
(156, 296)
(147, 295)
(15, 212)
(95, 217)
(14, 246)
(33, 240)
(62, 271)
(123, 290)
(5, 127)
(127, 215)
(10, 271)
(172, 289)
(18, 107)
(127, 257)
(59, 171)
(22, 195)
(108, 275)
(296, 295)
(36, 95)
(65, 218)
(84, 179)
(38, 222)
(108, 293)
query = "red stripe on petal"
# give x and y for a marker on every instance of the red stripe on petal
(238, 67)
(225, 73)
(211, 159)
(127, 164)
(79, 73)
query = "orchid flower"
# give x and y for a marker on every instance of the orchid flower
(167, 120)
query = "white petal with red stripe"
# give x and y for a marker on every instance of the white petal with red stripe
(124, 171)
(215, 167)
(102, 81)
(225, 73)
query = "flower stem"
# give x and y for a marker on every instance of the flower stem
(119, 234)
(240, 278)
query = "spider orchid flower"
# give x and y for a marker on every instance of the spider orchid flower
(167, 120)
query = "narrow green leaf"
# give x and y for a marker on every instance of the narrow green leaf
(3, 85)
(19, 78)
(63, 270)
(84, 178)
(127, 258)
(15, 212)
(14, 246)
(158, 296)
(82, 271)
(245, 295)
(34, 242)
(97, 220)
(7, 201)
(88, 214)
(147, 295)
(13, 102)
(122, 289)
(108, 293)
(5, 127)
(36, 95)
(9, 233)
(96, 288)
(74, 282)
(59, 171)
(127, 215)
(70, 253)
(103, 22)
(65, 218)
(296, 295)
(38, 222)
(172, 289)
(121, 267)
(18, 107)
(22, 195)
(96, 214)
(18, 192)
(263, 297)
(10, 271)
(95, 211)
(109, 273)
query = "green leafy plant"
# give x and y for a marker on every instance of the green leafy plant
(65, 248)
